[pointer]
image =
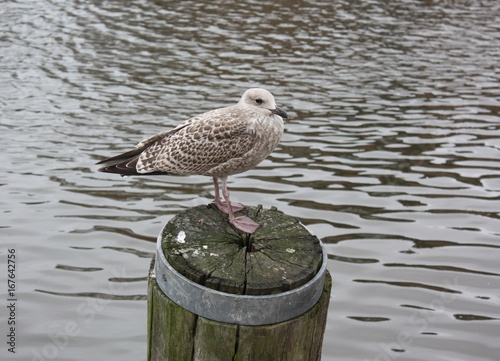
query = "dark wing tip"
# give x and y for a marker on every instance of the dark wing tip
(124, 164)
(125, 168)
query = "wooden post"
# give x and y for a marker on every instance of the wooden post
(215, 294)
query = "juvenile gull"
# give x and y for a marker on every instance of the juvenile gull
(219, 143)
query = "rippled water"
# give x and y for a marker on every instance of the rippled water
(391, 157)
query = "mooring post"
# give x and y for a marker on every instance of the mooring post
(217, 294)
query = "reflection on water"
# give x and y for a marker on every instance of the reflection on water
(391, 157)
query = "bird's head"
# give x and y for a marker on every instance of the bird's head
(262, 101)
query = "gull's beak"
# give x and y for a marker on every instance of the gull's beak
(279, 112)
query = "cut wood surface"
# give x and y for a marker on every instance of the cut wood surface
(281, 255)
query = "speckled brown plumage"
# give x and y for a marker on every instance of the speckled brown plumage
(218, 143)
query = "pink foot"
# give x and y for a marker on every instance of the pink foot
(222, 205)
(245, 224)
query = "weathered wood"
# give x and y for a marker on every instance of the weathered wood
(179, 335)
(214, 340)
(170, 327)
(281, 255)
(299, 339)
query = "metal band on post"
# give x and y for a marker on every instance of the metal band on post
(233, 308)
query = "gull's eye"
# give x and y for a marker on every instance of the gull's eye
(259, 101)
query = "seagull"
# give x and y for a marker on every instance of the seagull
(218, 143)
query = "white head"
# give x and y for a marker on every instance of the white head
(262, 101)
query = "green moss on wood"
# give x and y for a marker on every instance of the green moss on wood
(170, 326)
(202, 245)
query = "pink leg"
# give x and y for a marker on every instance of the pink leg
(217, 195)
(243, 223)
(222, 204)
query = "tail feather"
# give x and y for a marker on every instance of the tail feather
(125, 164)
(122, 166)
(123, 157)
